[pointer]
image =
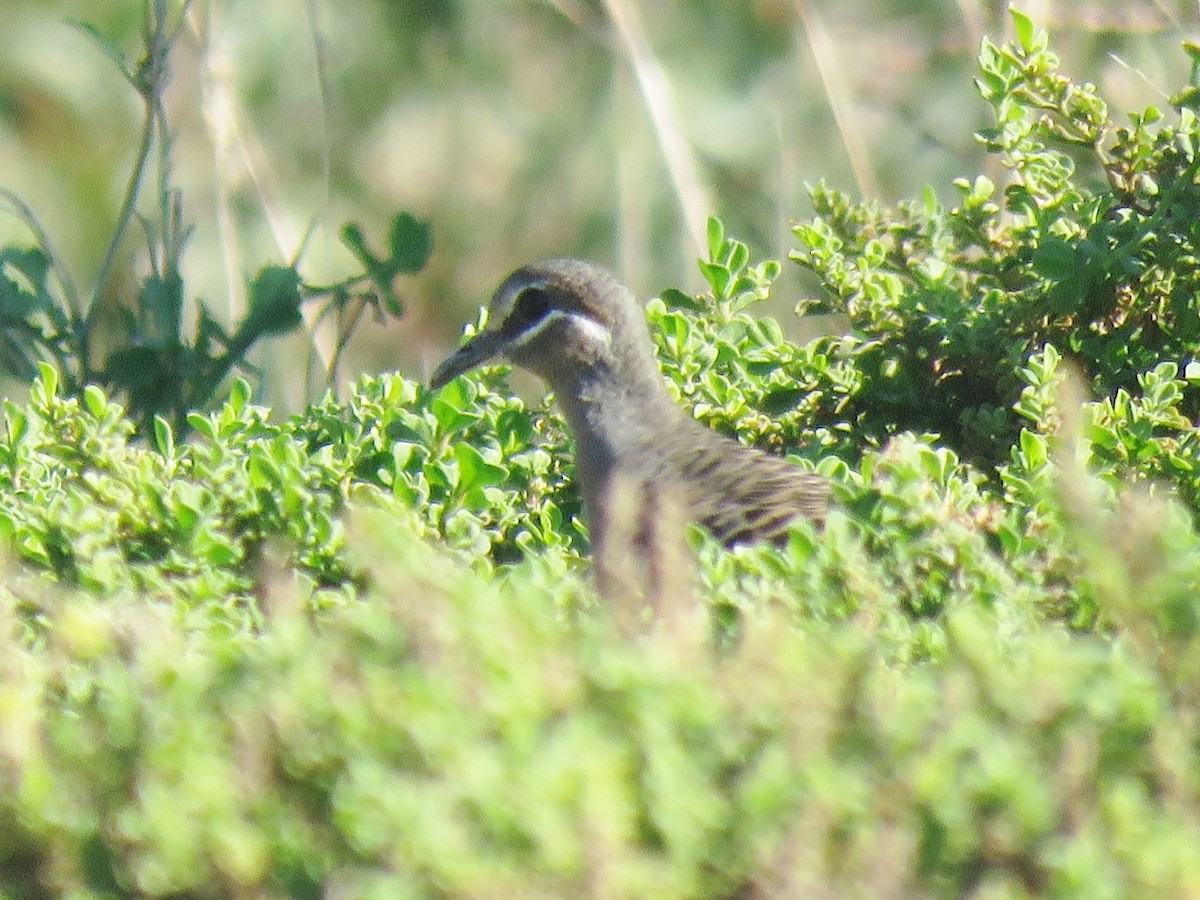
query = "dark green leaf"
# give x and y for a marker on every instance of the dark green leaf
(275, 299)
(781, 400)
(411, 243)
(160, 304)
(145, 375)
(474, 471)
(675, 299)
(352, 237)
(1056, 259)
(23, 291)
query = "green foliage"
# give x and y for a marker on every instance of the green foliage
(447, 735)
(190, 522)
(737, 372)
(154, 360)
(357, 651)
(1090, 248)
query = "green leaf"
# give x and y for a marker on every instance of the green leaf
(474, 471)
(675, 299)
(202, 424)
(411, 243)
(352, 238)
(23, 291)
(781, 400)
(164, 439)
(718, 278)
(17, 422)
(95, 401)
(275, 298)
(160, 304)
(33, 264)
(1033, 449)
(239, 396)
(1023, 26)
(739, 255)
(1187, 98)
(1056, 259)
(716, 238)
(453, 407)
(47, 383)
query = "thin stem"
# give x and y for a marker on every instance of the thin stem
(656, 94)
(841, 105)
(153, 71)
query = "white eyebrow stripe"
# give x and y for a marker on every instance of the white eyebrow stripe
(589, 326)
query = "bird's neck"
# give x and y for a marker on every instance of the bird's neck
(618, 422)
(614, 419)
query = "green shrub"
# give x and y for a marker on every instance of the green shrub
(158, 364)
(357, 652)
(1089, 248)
(448, 735)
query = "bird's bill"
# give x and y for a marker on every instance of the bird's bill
(478, 350)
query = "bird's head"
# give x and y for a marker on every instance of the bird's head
(561, 319)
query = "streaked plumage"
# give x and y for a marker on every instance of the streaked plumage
(575, 325)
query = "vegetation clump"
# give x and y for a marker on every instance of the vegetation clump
(356, 652)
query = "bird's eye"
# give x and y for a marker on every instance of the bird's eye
(531, 307)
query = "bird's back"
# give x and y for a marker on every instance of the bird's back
(738, 493)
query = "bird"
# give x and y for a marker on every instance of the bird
(576, 326)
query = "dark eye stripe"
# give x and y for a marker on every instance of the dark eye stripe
(532, 305)
(535, 303)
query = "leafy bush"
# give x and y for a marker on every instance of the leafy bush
(160, 365)
(448, 735)
(356, 652)
(1089, 248)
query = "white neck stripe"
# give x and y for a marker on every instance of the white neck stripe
(589, 326)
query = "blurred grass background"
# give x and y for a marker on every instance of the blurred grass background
(524, 129)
